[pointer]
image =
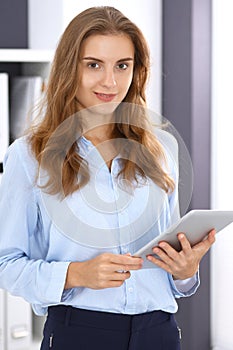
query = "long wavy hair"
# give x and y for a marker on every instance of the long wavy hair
(60, 102)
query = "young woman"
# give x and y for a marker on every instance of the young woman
(85, 188)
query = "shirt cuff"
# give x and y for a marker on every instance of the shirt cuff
(56, 285)
(187, 287)
(184, 286)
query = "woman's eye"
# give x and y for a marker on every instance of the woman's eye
(93, 65)
(122, 66)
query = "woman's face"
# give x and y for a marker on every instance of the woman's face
(105, 71)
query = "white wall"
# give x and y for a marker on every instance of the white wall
(222, 174)
(48, 19)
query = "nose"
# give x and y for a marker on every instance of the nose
(108, 79)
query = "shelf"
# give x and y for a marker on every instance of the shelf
(26, 55)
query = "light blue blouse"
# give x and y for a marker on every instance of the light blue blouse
(40, 235)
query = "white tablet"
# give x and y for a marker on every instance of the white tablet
(196, 224)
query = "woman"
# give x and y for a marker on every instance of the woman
(94, 182)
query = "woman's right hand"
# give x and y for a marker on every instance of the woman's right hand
(107, 270)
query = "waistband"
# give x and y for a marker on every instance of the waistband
(72, 316)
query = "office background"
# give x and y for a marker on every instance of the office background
(192, 55)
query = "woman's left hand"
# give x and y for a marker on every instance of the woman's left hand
(183, 264)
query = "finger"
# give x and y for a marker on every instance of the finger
(206, 243)
(109, 284)
(184, 242)
(126, 260)
(132, 260)
(124, 268)
(120, 276)
(113, 284)
(212, 236)
(163, 252)
(159, 263)
(210, 239)
(170, 252)
(106, 276)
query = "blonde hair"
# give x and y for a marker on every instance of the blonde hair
(60, 103)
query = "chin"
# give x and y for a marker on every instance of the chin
(104, 108)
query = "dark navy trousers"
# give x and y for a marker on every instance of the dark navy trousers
(68, 328)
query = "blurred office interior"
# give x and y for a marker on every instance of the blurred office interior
(191, 86)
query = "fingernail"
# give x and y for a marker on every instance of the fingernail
(162, 245)
(155, 250)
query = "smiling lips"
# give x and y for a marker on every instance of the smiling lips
(105, 97)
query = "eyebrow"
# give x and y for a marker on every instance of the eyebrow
(101, 61)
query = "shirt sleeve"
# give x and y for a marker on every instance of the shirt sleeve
(186, 285)
(185, 288)
(36, 280)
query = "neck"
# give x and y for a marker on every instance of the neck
(102, 133)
